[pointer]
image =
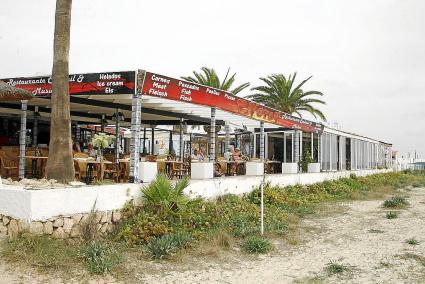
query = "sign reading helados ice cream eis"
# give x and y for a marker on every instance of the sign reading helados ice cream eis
(179, 90)
(80, 84)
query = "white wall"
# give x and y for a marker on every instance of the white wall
(40, 205)
(242, 184)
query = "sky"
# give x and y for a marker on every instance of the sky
(366, 56)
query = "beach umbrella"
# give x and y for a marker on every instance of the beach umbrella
(9, 93)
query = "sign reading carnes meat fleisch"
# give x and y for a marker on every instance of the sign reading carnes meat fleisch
(174, 89)
(80, 84)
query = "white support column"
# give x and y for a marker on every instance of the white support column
(136, 110)
(284, 147)
(35, 128)
(255, 146)
(312, 146)
(293, 148)
(319, 149)
(22, 139)
(262, 152)
(300, 153)
(212, 136)
(117, 137)
(266, 146)
(181, 140)
(330, 151)
(227, 137)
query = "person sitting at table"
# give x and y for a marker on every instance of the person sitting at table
(76, 147)
(237, 158)
(217, 171)
(228, 154)
(91, 151)
(197, 155)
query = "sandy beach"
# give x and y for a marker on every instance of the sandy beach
(355, 234)
(360, 237)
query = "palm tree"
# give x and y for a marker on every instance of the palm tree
(278, 93)
(60, 165)
(209, 77)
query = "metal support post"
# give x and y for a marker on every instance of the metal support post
(136, 111)
(22, 139)
(212, 136)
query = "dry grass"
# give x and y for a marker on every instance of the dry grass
(224, 240)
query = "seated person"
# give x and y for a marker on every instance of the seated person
(237, 158)
(91, 151)
(197, 155)
(217, 170)
(228, 154)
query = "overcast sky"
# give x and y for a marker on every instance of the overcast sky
(368, 57)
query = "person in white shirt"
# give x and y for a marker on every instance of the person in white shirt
(197, 155)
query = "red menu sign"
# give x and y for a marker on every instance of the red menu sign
(80, 84)
(173, 89)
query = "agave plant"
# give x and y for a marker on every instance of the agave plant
(161, 194)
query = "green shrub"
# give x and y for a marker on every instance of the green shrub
(412, 242)
(395, 202)
(336, 268)
(100, 257)
(162, 195)
(166, 245)
(391, 215)
(239, 216)
(256, 244)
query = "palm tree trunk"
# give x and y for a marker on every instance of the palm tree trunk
(60, 165)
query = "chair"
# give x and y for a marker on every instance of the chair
(179, 170)
(81, 155)
(9, 166)
(77, 171)
(161, 166)
(80, 166)
(124, 171)
(111, 170)
(150, 158)
(110, 157)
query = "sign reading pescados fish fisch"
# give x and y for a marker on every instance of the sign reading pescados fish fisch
(80, 84)
(179, 90)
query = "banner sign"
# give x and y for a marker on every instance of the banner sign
(108, 83)
(174, 89)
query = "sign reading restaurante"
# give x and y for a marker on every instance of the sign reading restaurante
(174, 89)
(80, 84)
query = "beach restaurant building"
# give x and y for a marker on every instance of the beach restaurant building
(171, 126)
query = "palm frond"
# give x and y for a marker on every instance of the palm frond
(209, 77)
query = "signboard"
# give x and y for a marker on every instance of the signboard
(174, 89)
(108, 83)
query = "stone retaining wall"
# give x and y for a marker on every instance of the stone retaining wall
(62, 227)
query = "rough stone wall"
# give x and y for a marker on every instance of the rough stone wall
(61, 227)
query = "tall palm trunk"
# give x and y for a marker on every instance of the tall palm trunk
(60, 165)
